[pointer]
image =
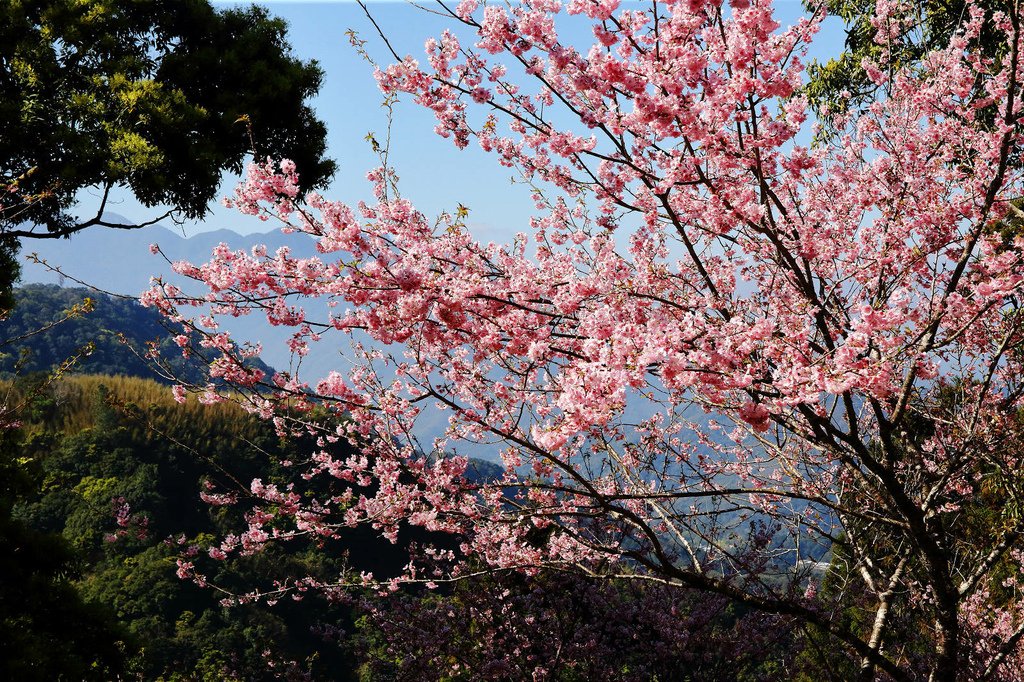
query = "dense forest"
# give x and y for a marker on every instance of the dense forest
(106, 503)
(110, 473)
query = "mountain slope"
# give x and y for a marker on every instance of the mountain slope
(108, 335)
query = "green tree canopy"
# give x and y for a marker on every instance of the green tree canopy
(157, 97)
(841, 82)
(47, 630)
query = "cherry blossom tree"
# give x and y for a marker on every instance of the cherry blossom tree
(714, 347)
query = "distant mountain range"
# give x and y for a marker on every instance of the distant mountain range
(119, 261)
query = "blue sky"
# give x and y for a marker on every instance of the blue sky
(433, 173)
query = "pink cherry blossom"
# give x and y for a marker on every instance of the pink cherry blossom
(712, 346)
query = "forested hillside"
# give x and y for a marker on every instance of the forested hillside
(101, 503)
(111, 472)
(106, 335)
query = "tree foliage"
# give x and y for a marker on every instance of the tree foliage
(47, 630)
(556, 626)
(111, 473)
(103, 505)
(916, 28)
(159, 98)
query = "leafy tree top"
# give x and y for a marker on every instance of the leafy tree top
(914, 29)
(160, 98)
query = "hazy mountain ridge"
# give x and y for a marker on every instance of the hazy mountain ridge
(119, 261)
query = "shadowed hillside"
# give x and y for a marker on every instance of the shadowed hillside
(108, 335)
